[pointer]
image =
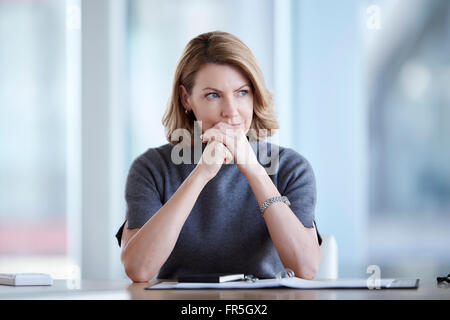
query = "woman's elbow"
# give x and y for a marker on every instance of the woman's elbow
(135, 271)
(308, 271)
(308, 274)
(138, 274)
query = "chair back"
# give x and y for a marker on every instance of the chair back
(328, 268)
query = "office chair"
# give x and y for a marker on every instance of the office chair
(328, 268)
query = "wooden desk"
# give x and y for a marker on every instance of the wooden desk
(125, 290)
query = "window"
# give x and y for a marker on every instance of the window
(33, 137)
(410, 136)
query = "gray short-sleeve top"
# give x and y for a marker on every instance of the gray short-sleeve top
(224, 232)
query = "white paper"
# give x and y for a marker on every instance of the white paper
(332, 284)
(273, 283)
(266, 283)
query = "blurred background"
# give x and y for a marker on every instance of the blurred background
(362, 90)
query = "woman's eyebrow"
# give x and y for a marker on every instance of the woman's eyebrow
(209, 88)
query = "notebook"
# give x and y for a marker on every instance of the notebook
(292, 282)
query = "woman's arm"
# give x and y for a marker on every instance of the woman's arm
(147, 250)
(297, 246)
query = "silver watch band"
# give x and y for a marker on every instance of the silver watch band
(273, 200)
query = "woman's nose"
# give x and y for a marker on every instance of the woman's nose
(230, 108)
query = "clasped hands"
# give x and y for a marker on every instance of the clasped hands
(226, 143)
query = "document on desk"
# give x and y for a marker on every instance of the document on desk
(295, 283)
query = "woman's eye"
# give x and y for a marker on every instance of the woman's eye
(243, 92)
(212, 95)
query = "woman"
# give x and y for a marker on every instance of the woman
(204, 216)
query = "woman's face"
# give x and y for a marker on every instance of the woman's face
(221, 93)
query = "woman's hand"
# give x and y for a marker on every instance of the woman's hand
(214, 155)
(236, 142)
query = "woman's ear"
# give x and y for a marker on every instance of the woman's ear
(184, 96)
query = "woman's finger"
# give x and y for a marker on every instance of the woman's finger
(215, 134)
(210, 133)
(228, 156)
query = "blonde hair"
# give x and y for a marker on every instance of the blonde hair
(220, 48)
